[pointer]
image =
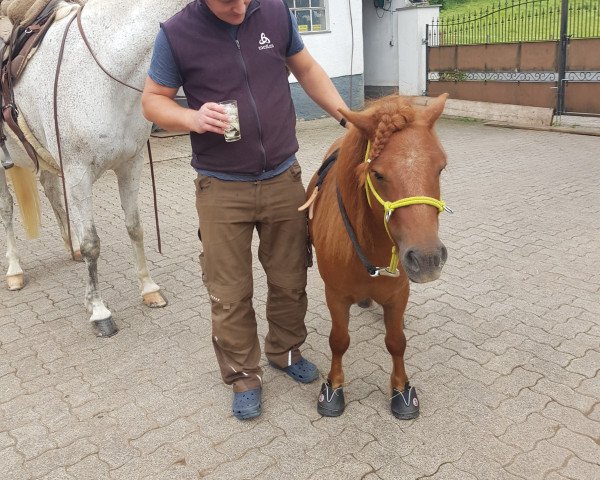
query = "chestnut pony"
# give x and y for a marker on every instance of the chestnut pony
(386, 183)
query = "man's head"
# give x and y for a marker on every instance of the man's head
(230, 11)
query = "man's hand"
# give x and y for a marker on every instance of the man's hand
(210, 118)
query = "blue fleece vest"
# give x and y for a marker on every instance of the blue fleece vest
(251, 70)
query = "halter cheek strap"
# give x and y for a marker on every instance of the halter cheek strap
(389, 208)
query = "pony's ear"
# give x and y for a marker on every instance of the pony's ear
(361, 120)
(433, 111)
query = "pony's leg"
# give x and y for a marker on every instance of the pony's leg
(331, 398)
(53, 190)
(80, 201)
(128, 177)
(14, 276)
(404, 402)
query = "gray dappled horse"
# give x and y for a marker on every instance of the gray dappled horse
(101, 127)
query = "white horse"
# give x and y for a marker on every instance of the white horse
(101, 127)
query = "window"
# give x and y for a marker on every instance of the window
(310, 14)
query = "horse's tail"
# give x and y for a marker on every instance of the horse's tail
(24, 185)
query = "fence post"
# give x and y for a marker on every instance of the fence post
(427, 59)
(562, 56)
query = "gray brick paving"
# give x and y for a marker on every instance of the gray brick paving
(504, 349)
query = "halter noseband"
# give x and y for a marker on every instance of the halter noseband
(389, 207)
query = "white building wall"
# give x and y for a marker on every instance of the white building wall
(394, 50)
(334, 49)
(339, 51)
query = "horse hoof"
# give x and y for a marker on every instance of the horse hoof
(405, 404)
(331, 401)
(155, 300)
(106, 327)
(366, 303)
(15, 282)
(77, 256)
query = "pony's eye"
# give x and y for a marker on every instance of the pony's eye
(378, 176)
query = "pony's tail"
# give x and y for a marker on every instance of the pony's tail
(24, 184)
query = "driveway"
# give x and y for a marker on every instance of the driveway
(504, 349)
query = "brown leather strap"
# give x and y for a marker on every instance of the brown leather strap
(10, 114)
(89, 47)
(57, 130)
(154, 197)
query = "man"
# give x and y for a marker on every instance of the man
(239, 50)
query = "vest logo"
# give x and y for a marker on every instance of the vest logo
(264, 42)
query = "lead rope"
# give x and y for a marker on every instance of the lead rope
(57, 130)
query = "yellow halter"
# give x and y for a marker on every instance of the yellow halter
(389, 207)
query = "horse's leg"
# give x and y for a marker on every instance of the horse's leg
(404, 403)
(81, 205)
(128, 176)
(53, 190)
(14, 276)
(331, 398)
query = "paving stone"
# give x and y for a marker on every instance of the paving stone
(588, 365)
(89, 468)
(11, 459)
(585, 448)
(253, 463)
(140, 467)
(572, 419)
(58, 458)
(577, 468)
(565, 396)
(527, 434)
(483, 467)
(157, 437)
(522, 405)
(32, 440)
(541, 461)
(472, 370)
(517, 380)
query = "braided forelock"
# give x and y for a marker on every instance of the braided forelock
(394, 116)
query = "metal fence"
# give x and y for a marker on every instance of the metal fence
(517, 21)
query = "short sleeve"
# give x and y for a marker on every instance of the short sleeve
(296, 44)
(163, 69)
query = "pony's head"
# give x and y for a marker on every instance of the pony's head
(401, 172)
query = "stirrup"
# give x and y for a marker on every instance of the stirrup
(6, 159)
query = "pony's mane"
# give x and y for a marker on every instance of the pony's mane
(388, 115)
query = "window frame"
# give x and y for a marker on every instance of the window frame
(324, 9)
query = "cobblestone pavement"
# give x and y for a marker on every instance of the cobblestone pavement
(503, 349)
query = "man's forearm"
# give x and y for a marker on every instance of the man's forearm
(166, 112)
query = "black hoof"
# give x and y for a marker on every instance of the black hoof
(405, 405)
(331, 401)
(365, 303)
(106, 327)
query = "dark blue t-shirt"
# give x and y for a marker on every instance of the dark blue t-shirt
(163, 69)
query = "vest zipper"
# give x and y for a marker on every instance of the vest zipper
(262, 146)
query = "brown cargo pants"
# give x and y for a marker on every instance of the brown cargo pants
(228, 213)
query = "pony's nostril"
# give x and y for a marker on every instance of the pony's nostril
(444, 255)
(412, 261)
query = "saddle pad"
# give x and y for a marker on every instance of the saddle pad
(23, 12)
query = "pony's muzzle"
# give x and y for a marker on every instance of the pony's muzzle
(422, 266)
